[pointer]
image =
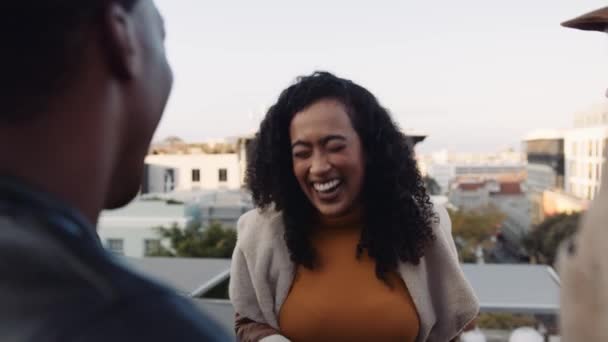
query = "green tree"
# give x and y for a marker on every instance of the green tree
(474, 228)
(431, 185)
(543, 241)
(504, 321)
(198, 242)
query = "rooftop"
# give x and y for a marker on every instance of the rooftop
(146, 209)
(185, 275)
(175, 145)
(495, 187)
(510, 188)
(545, 134)
(223, 198)
(520, 288)
(471, 186)
(514, 288)
(141, 214)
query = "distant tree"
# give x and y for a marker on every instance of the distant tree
(505, 321)
(431, 185)
(543, 240)
(472, 229)
(197, 242)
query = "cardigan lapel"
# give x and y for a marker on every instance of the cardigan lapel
(417, 285)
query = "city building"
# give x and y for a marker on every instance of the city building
(133, 230)
(545, 154)
(508, 196)
(445, 174)
(194, 171)
(173, 165)
(556, 202)
(585, 152)
(445, 166)
(223, 207)
(472, 194)
(565, 167)
(511, 200)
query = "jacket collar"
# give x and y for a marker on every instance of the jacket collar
(16, 196)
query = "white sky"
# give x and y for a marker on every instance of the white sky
(476, 75)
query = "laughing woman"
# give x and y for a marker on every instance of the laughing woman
(345, 244)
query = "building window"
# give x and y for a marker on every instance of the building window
(151, 247)
(597, 172)
(196, 175)
(223, 175)
(115, 246)
(572, 168)
(571, 188)
(169, 180)
(574, 149)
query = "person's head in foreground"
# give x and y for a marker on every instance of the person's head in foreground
(582, 262)
(328, 149)
(86, 83)
(345, 240)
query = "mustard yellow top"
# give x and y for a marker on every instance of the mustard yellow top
(342, 299)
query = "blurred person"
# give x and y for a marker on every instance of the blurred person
(582, 261)
(85, 85)
(472, 333)
(526, 334)
(345, 244)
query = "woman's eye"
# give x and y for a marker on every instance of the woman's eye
(301, 154)
(336, 148)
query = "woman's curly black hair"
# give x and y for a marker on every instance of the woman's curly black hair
(398, 214)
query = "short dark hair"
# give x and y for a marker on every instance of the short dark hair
(398, 212)
(42, 43)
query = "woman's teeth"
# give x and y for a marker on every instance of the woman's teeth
(327, 186)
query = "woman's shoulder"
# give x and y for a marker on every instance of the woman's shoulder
(259, 226)
(443, 222)
(442, 229)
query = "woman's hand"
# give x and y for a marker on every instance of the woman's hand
(275, 338)
(248, 330)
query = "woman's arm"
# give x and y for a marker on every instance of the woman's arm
(251, 303)
(248, 330)
(243, 297)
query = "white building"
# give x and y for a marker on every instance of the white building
(175, 166)
(132, 230)
(198, 171)
(585, 149)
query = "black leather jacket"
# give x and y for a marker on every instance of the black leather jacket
(57, 283)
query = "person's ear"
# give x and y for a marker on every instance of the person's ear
(122, 52)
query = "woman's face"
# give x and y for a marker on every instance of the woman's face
(327, 157)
